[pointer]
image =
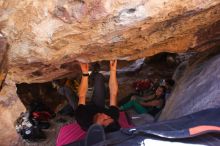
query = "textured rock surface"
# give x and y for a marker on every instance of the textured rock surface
(46, 38)
(197, 89)
(10, 109)
(45, 35)
(3, 60)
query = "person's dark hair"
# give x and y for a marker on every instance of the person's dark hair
(114, 126)
(170, 82)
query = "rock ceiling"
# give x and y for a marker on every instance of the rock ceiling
(41, 40)
(46, 37)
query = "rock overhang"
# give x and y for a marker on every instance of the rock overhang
(45, 36)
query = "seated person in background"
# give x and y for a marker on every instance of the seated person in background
(141, 87)
(65, 91)
(89, 114)
(147, 104)
(72, 84)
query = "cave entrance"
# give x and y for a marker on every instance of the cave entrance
(42, 93)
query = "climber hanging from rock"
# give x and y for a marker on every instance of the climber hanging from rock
(94, 112)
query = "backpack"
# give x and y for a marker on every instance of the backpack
(27, 129)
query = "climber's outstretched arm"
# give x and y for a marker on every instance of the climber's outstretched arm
(83, 87)
(113, 83)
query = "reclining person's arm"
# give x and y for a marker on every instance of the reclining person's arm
(83, 87)
(149, 97)
(152, 103)
(113, 83)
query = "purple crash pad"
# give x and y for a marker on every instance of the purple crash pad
(72, 132)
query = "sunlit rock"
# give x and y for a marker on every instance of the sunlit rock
(44, 35)
(42, 40)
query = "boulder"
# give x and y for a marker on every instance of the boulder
(46, 35)
(43, 40)
(197, 89)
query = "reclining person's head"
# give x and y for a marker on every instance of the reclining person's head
(106, 121)
(160, 91)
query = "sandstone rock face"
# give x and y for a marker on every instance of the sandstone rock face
(197, 89)
(45, 35)
(46, 38)
(3, 60)
(10, 109)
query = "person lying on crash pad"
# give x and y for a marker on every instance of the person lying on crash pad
(91, 113)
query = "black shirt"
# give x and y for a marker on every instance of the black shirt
(85, 113)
